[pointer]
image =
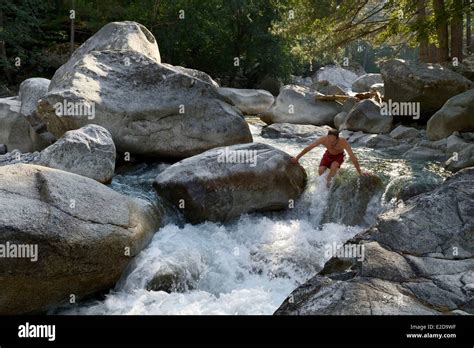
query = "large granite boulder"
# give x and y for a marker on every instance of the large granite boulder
(77, 236)
(336, 76)
(365, 82)
(296, 104)
(366, 117)
(165, 111)
(32, 90)
(431, 85)
(226, 182)
(249, 101)
(456, 115)
(14, 128)
(298, 132)
(88, 151)
(418, 259)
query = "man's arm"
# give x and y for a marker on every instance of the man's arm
(352, 156)
(308, 148)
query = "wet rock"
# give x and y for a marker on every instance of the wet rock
(411, 263)
(223, 183)
(83, 245)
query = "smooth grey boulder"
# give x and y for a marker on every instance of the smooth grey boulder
(339, 120)
(456, 115)
(88, 151)
(336, 76)
(431, 85)
(425, 154)
(403, 132)
(248, 101)
(329, 89)
(365, 82)
(164, 112)
(405, 187)
(32, 90)
(299, 132)
(366, 117)
(14, 128)
(418, 259)
(437, 145)
(193, 73)
(223, 183)
(378, 141)
(462, 159)
(296, 104)
(85, 234)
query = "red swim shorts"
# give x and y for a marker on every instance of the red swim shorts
(327, 159)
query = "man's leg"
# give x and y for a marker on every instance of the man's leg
(322, 169)
(334, 168)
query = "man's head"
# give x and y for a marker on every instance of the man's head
(333, 136)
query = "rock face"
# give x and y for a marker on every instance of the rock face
(14, 128)
(223, 183)
(165, 112)
(336, 76)
(249, 101)
(431, 85)
(366, 117)
(299, 132)
(409, 263)
(456, 115)
(82, 242)
(32, 90)
(365, 82)
(296, 104)
(89, 151)
(350, 197)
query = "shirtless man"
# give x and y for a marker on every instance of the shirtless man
(334, 155)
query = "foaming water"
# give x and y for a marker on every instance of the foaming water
(248, 266)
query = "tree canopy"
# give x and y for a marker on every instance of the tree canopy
(239, 41)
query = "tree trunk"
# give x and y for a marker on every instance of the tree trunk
(73, 7)
(3, 53)
(468, 27)
(441, 30)
(423, 38)
(456, 31)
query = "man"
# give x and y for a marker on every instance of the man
(334, 155)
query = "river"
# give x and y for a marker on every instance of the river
(247, 266)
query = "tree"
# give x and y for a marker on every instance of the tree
(398, 23)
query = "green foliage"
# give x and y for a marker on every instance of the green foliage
(205, 35)
(270, 37)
